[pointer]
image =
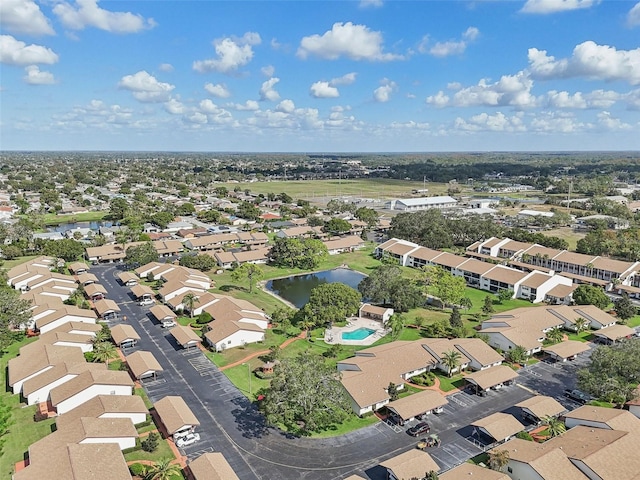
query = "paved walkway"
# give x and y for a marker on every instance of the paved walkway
(284, 344)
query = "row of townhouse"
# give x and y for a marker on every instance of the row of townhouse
(536, 286)
(116, 252)
(581, 268)
(220, 240)
(367, 375)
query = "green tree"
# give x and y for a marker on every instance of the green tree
(487, 306)
(67, 249)
(9, 252)
(6, 420)
(248, 271)
(162, 470)
(555, 335)
(387, 285)
(336, 226)
(518, 354)
(455, 320)
(202, 262)
(305, 253)
(555, 426)
(451, 360)
(104, 352)
(150, 444)
(141, 254)
(14, 313)
(248, 211)
(118, 208)
(466, 303)
(331, 302)
(393, 392)
(282, 317)
(189, 301)
(624, 308)
(305, 395)
(498, 459)
(590, 295)
(162, 219)
(221, 192)
(396, 324)
(504, 295)
(367, 215)
(450, 289)
(582, 324)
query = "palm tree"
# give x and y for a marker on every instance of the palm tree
(581, 324)
(451, 359)
(101, 336)
(104, 351)
(498, 459)
(307, 324)
(162, 470)
(517, 355)
(431, 475)
(555, 426)
(554, 335)
(189, 300)
(396, 322)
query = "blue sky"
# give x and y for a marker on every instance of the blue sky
(308, 76)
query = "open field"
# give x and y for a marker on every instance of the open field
(51, 219)
(378, 188)
(568, 234)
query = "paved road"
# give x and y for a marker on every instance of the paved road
(230, 423)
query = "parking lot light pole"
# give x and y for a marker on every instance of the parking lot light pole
(249, 373)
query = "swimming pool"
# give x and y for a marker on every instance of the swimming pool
(359, 334)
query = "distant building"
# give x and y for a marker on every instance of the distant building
(422, 203)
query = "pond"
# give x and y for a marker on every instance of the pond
(63, 227)
(297, 289)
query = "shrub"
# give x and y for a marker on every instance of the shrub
(150, 444)
(524, 436)
(137, 469)
(203, 318)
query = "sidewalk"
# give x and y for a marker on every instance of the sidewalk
(284, 344)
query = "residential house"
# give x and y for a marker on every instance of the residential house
(143, 364)
(397, 249)
(142, 292)
(87, 385)
(62, 315)
(99, 461)
(78, 328)
(212, 466)
(468, 471)
(229, 259)
(107, 406)
(301, 232)
(36, 358)
(411, 464)
(347, 244)
(633, 405)
(168, 248)
(373, 312)
(38, 388)
(176, 416)
(86, 278)
(602, 418)
(82, 341)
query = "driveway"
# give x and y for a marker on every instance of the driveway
(231, 424)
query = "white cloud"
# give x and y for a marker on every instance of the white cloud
(323, 90)
(86, 13)
(454, 85)
(632, 99)
(556, 122)
(510, 90)
(493, 123)
(95, 115)
(552, 6)
(24, 16)
(146, 88)
(15, 52)
(214, 113)
(218, 90)
(633, 17)
(267, 91)
(356, 42)
(370, 3)
(589, 60)
(563, 99)
(174, 107)
(611, 123)
(346, 79)
(268, 70)
(438, 100)
(383, 93)
(166, 67)
(286, 106)
(451, 47)
(232, 52)
(249, 106)
(36, 77)
(197, 118)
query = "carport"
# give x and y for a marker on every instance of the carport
(162, 312)
(106, 309)
(124, 335)
(176, 416)
(186, 337)
(499, 426)
(95, 291)
(567, 350)
(613, 334)
(142, 292)
(494, 377)
(411, 464)
(421, 403)
(143, 364)
(128, 279)
(538, 407)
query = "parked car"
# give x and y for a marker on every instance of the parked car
(577, 396)
(168, 323)
(419, 429)
(146, 302)
(188, 439)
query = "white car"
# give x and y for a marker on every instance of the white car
(168, 324)
(188, 439)
(146, 301)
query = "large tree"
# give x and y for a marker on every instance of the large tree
(624, 308)
(304, 253)
(203, 262)
(450, 289)
(367, 215)
(305, 395)
(613, 372)
(331, 302)
(142, 254)
(67, 249)
(248, 271)
(336, 226)
(387, 285)
(590, 295)
(14, 312)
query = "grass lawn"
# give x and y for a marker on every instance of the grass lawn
(633, 321)
(9, 264)
(585, 336)
(145, 398)
(568, 234)
(349, 425)
(163, 451)
(53, 219)
(597, 403)
(236, 354)
(447, 384)
(478, 459)
(115, 364)
(247, 382)
(24, 430)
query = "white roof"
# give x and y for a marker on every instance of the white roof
(427, 200)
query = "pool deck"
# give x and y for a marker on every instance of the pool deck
(333, 335)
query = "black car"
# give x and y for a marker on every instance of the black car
(419, 429)
(577, 396)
